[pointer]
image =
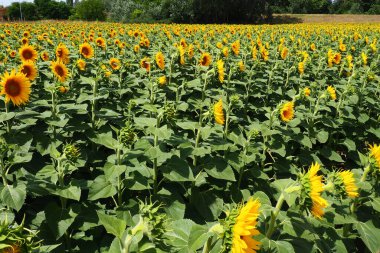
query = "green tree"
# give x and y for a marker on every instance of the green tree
(90, 10)
(28, 10)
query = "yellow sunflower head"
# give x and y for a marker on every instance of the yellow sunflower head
(331, 91)
(28, 53)
(284, 53)
(115, 63)
(160, 60)
(287, 111)
(345, 182)
(312, 187)
(16, 87)
(306, 91)
(145, 64)
(220, 66)
(205, 59)
(29, 69)
(100, 42)
(81, 64)
(374, 152)
(60, 70)
(245, 228)
(218, 112)
(45, 56)
(162, 80)
(86, 50)
(62, 53)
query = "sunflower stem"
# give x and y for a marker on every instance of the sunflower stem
(155, 167)
(3, 172)
(207, 245)
(274, 215)
(8, 123)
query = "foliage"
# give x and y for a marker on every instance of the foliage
(161, 137)
(29, 11)
(90, 10)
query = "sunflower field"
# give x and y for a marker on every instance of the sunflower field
(189, 138)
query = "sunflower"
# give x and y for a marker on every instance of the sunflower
(29, 70)
(220, 66)
(181, 52)
(14, 248)
(364, 58)
(144, 63)
(241, 66)
(312, 47)
(284, 53)
(45, 56)
(62, 53)
(218, 112)
(136, 48)
(115, 63)
(162, 80)
(264, 53)
(60, 70)
(306, 91)
(15, 87)
(24, 41)
(245, 228)
(375, 153)
(331, 91)
(28, 53)
(81, 64)
(160, 60)
(100, 42)
(225, 51)
(301, 67)
(347, 177)
(63, 89)
(86, 50)
(12, 54)
(313, 186)
(337, 58)
(205, 59)
(287, 111)
(236, 47)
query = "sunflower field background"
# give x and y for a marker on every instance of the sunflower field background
(189, 138)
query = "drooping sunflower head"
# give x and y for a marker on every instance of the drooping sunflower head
(16, 87)
(218, 112)
(60, 70)
(62, 53)
(86, 50)
(205, 59)
(337, 58)
(220, 66)
(301, 67)
(306, 91)
(284, 53)
(236, 47)
(115, 63)
(332, 92)
(345, 184)
(312, 187)
(160, 60)
(28, 53)
(374, 152)
(81, 64)
(241, 66)
(29, 69)
(240, 228)
(145, 63)
(287, 111)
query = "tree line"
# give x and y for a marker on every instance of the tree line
(184, 11)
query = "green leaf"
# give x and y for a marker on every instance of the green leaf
(177, 170)
(220, 169)
(14, 197)
(376, 204)
(278, 246)
(107, 140)
(101, 188)
(70, 192)
(370, 235)
(112, 224)
(6, 116)
(322, 136)
(186, 236)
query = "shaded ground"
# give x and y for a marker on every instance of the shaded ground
(324, 18)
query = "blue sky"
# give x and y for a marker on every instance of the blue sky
(8, 2)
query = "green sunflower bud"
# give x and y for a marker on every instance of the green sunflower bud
(127, 135)
(71, 152)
